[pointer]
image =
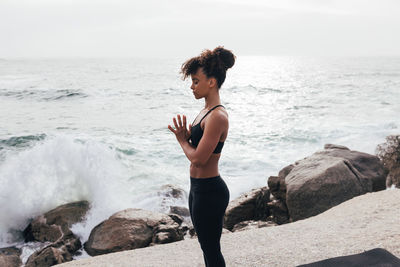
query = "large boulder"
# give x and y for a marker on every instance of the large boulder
(133, 228)
(55, 223)
(327, 178)
(10, 257)
(369, 166)
(248, 206)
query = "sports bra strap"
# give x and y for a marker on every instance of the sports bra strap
(210, 111)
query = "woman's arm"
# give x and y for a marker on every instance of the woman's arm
(213, 129)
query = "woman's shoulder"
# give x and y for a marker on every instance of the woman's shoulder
(219, 115)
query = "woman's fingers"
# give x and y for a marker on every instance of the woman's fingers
(180, 121)
(184, 121)
(176, 125)
(179, 125)
(171, 129)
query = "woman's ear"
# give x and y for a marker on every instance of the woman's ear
(212, 82)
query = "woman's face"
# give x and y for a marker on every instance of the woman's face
(200, 84)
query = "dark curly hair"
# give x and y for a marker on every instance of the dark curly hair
(214, 63)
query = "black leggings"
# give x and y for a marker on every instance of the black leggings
(208, 199)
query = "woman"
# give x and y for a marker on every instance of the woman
(202, 144)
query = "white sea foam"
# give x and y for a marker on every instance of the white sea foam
(61, 169)
(57, 171)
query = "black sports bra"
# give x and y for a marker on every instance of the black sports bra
(197, 133)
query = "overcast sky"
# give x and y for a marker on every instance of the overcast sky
(170, 28)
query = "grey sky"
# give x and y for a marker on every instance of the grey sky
(108, 28)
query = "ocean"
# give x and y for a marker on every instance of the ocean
(96, 129)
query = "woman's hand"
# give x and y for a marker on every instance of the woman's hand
(181, 133)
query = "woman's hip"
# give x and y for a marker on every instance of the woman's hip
(215, 185)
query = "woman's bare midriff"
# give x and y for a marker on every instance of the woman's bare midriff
(210, 169)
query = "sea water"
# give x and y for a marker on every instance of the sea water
(96, 129)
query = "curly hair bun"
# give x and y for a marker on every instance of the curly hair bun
(225, 56)
(213, 63)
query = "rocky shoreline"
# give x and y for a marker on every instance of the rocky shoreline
(362, 223)
(301, 190)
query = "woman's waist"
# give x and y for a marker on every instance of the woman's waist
(210, 169)
(206, 184)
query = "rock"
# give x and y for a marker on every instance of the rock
(246, 225)
(225, 231)
(183, 228)
(54, 224)
(333, 146)
(248, 206)
(130, 229)
(368, 165)
(171, 196)
(166, 233)
(327, 178)
(389, 154)
(56, 253)
(279, 212)
(178, 219)
(393, 178)
(68, 214)
(48, 256)
(10, 257)
(39, 230)
(183, 211)
(170, 190)
(277, 185)
(192, 232)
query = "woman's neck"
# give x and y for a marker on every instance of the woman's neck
(212, 99)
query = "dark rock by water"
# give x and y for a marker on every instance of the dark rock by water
(10, 257)
(178, 219)
(54, 226)
(55, 253)
(55, 223)
(170, 194)
(183, 211)
(170, 190)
